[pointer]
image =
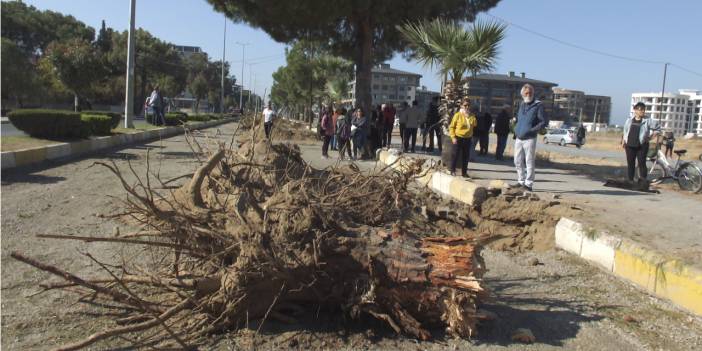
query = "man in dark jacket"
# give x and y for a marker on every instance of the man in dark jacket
(581, 135)
(484, 125)
(432, 126)
(530, 120)
(502, 131)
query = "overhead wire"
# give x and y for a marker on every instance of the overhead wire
(593, 51)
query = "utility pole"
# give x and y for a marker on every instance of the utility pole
(243, 62)
(594, 115)
(660, 112)
(129, 90)
(224, 50)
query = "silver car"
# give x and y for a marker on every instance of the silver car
(562, 137)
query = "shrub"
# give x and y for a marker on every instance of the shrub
(115, 117)
(50, 124)
(172, 118)
(176, 118)
(98, 124)
(199, 118)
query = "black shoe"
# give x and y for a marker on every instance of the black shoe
(466, 176)
(453, 174)
(527, 188)
(516, 185)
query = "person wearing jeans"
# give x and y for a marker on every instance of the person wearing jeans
(638, 131)
(530, 120)
(461, 130)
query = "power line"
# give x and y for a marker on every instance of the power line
(686, 70)
(598, 52)
(594, 51)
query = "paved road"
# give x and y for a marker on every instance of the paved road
(567, 304)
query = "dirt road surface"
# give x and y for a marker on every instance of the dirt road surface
(564, 302)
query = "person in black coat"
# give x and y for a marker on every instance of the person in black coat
(432, 126)
(484, 124)
(502, 131)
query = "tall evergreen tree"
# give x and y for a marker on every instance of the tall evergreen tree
(363, 31)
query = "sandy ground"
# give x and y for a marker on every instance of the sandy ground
(566, 304)
(611, 142)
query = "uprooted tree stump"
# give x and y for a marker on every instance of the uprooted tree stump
(256, 232)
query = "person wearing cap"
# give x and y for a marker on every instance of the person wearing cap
(638, 130)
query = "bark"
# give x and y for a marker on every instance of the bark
(364, 63)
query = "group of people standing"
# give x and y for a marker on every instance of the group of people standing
(466, 130)
(360, 135)
(349, 133)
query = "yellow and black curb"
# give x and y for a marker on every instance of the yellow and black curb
(661, 275)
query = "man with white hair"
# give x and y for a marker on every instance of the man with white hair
(530, 120)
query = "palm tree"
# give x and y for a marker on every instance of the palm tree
(454, 50)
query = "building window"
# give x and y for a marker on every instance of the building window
(392, 97)
(385, 87)
(376, 86)
(402, 88)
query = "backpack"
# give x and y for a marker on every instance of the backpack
(344, 130)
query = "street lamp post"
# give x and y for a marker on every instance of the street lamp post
(243, 62)
(224, 50)
(129, 90)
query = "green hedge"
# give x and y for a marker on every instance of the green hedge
(98, 124)
(49, 124)
(115, 117)
(199, 118)
(172, 118)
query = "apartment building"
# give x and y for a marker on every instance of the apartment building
(388, 85)
(678, 113)
(493, 92)
(576, 106)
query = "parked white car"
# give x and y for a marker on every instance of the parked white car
(562, 137)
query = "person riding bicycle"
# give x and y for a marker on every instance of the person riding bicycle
(638, 130)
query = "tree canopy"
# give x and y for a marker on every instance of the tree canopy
(309, 72)
(48, 57)
(363, 31)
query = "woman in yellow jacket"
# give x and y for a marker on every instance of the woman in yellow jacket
(461, 130)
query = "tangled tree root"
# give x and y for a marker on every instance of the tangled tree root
(256, 231)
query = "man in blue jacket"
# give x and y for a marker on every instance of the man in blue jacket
(530, 119)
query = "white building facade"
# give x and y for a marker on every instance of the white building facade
(676, 112)
(694, 110)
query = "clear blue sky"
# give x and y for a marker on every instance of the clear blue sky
(647, 29)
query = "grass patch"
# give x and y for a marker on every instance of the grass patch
(19, 142)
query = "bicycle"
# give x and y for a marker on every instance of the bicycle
(687, 174)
